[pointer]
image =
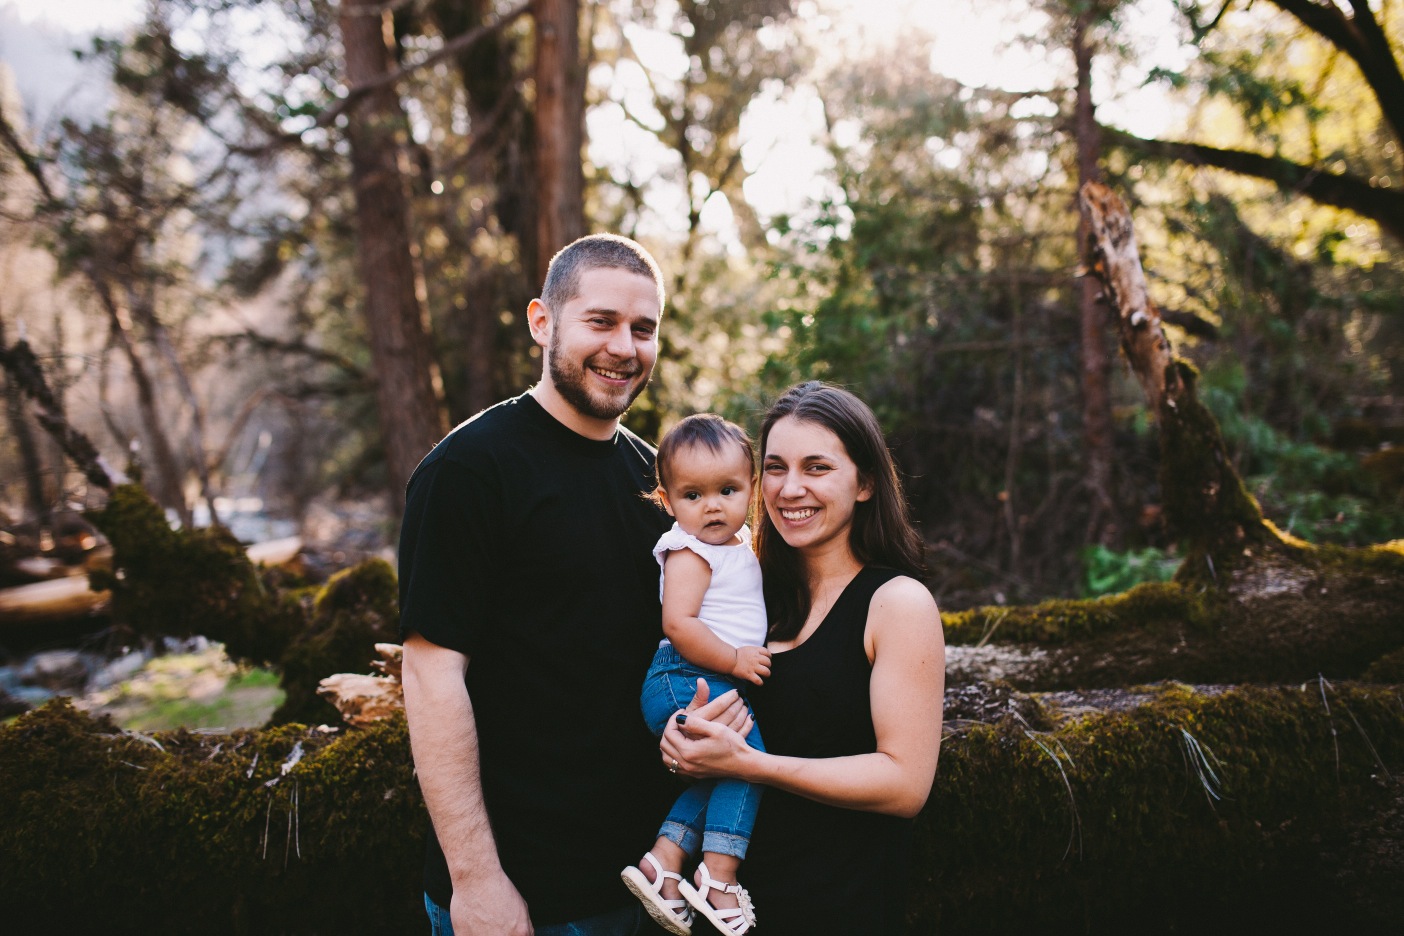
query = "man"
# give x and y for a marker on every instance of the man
(529, 598)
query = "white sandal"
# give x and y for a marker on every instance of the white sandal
(736, 920)
(675, 916)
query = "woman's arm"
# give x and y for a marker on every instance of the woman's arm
(907, 650)
(685, 582)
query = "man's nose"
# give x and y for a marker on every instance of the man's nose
(621, 342)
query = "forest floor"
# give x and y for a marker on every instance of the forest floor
(198, 689)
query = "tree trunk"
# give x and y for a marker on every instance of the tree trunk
(1096, 361)
(408, 388)
(169, 484)
(24, 436)
(560, 129)
(1205, 500)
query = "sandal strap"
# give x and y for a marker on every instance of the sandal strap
(659, 874)
(737, 919)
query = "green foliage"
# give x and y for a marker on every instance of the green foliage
(1109, 572)
(1317, 493)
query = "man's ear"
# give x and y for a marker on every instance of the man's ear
(539, 321)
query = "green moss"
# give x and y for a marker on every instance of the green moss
(1126, 831)
(358, 608)
(168, 582)
(1193, 813)
(1387, 669)
(1061, 621)
(218, 834)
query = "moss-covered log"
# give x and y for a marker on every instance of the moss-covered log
(182, 582)
(179, 583)
(284, 830)
(1190, 813)
(1328, 610)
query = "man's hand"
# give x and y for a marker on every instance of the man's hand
(752, 664)
(489, 907)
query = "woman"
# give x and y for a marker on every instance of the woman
(852, 708)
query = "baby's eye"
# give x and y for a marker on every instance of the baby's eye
(729, 490)
(691, 495)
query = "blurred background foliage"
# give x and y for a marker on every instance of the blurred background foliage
(923, 253)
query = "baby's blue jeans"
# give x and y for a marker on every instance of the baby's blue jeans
(716, 815)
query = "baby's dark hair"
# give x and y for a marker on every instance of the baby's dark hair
(705, 429)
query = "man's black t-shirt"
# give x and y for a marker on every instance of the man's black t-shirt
(528, 548)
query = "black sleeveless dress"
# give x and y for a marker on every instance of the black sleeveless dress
(814, 869)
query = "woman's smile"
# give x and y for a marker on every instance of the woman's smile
(809, 484)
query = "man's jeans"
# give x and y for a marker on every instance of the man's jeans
(632, 920)
(714, 815)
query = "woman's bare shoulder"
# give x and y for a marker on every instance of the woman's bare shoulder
(904, 593)
(903, 602)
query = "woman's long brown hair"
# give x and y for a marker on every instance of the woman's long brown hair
(882, 531)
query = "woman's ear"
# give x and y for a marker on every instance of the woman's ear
(865, 489)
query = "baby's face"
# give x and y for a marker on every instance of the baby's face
(708, 492)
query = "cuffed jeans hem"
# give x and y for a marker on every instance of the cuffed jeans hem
(722, 843)
(680, 835)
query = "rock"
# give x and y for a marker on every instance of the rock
(57, 670)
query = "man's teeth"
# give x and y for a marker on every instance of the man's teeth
(611, 374)
(802, 514)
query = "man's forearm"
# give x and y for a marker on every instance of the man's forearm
(444, 742)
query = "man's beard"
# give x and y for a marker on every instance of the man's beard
(569, 379)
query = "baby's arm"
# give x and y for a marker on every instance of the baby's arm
(685, 581)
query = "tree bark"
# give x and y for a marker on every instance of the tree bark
(169, 483)
(560, 129)
(409, 391)
(1096, 361)
(23, 374)
(1205, 500)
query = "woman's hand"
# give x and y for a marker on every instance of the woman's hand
(707, 739)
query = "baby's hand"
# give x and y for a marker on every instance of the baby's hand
(752, 664)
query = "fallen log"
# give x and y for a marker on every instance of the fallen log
(72, 596)
(1277, 809)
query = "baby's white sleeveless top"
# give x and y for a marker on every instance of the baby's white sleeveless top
(733, 606)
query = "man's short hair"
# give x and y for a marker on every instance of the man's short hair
(594, 251)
